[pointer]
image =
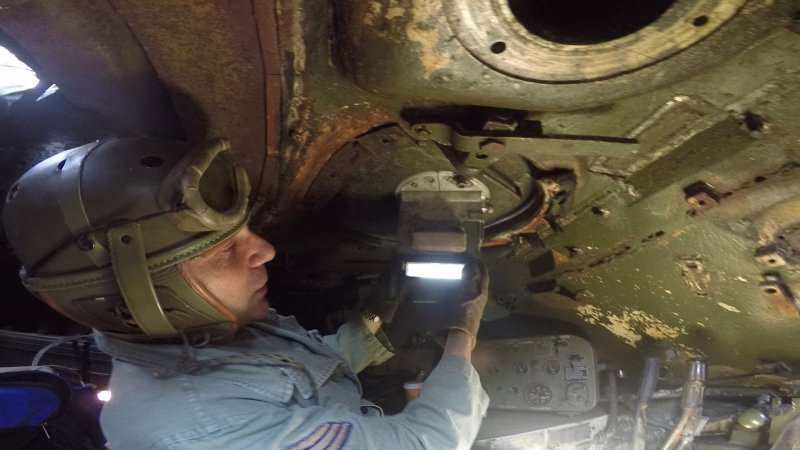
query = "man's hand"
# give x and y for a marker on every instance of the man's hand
(459, 304)
(384, 297)
(466, 307)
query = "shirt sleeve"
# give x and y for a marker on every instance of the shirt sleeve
(447, 415)
(358, 346)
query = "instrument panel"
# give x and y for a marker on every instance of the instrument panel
(548, 373)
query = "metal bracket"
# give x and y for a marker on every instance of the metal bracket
(441, 212)
(701, 196)
(773, 255)
(481, 149)
(776, 291)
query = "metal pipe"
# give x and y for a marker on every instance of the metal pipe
(613, 406)
(692, 421)
(646, 388)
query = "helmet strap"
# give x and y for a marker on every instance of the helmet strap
(129, 262)
(70, 202)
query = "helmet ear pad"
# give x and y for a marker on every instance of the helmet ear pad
(185, 308)
(199, 289)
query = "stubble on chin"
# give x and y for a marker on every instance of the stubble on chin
(261, 310)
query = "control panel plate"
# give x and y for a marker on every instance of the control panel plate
(547, 373)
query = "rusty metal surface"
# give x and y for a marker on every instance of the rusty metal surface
(209, 59)
(685, 164)
(438, 67)
(95, 58)
(177, 69)
(500, 34)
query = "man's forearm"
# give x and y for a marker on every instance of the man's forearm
(459, 343)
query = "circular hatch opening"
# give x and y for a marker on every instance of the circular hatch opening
(586, 22)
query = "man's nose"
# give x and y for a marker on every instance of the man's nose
(263, 251)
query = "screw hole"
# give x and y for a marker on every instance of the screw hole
(701, 202)
(481, 156)
(700, 21)
(498, 47)
(151, 161)
(126, 239)
(84, 243)
(754, 122)
(771, 290)
(772, 261)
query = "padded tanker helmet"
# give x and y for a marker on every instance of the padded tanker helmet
(101, 231)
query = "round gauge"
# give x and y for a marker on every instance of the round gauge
(538, 394)
(551, 367)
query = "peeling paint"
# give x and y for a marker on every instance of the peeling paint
(395, 12)
(728, 307)
(427, 37)
(417, 24)
(694, 273)
(631, 325)
(372, 17)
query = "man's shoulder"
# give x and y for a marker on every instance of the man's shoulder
(275, 320)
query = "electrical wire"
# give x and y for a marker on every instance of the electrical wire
(54, 344)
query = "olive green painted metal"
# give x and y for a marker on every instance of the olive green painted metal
(661, 275)
(639, 266)
(439, 55)
(483, 148)
(647, 262)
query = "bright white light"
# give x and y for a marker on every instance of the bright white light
(104, 396)
(15, 75)
(440, 271)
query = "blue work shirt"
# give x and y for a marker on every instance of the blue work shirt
(279, 386)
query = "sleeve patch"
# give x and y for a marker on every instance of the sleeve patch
(328, 436)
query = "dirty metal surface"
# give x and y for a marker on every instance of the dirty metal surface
(678, 236)
(150, 70)
(662, 273)
(437, 65)
(116, 78)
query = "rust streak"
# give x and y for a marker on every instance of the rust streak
(319, 150)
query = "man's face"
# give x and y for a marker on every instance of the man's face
(233, 274)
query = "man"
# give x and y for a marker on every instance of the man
(147, 242)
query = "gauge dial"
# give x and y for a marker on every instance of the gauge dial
(538, 394)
